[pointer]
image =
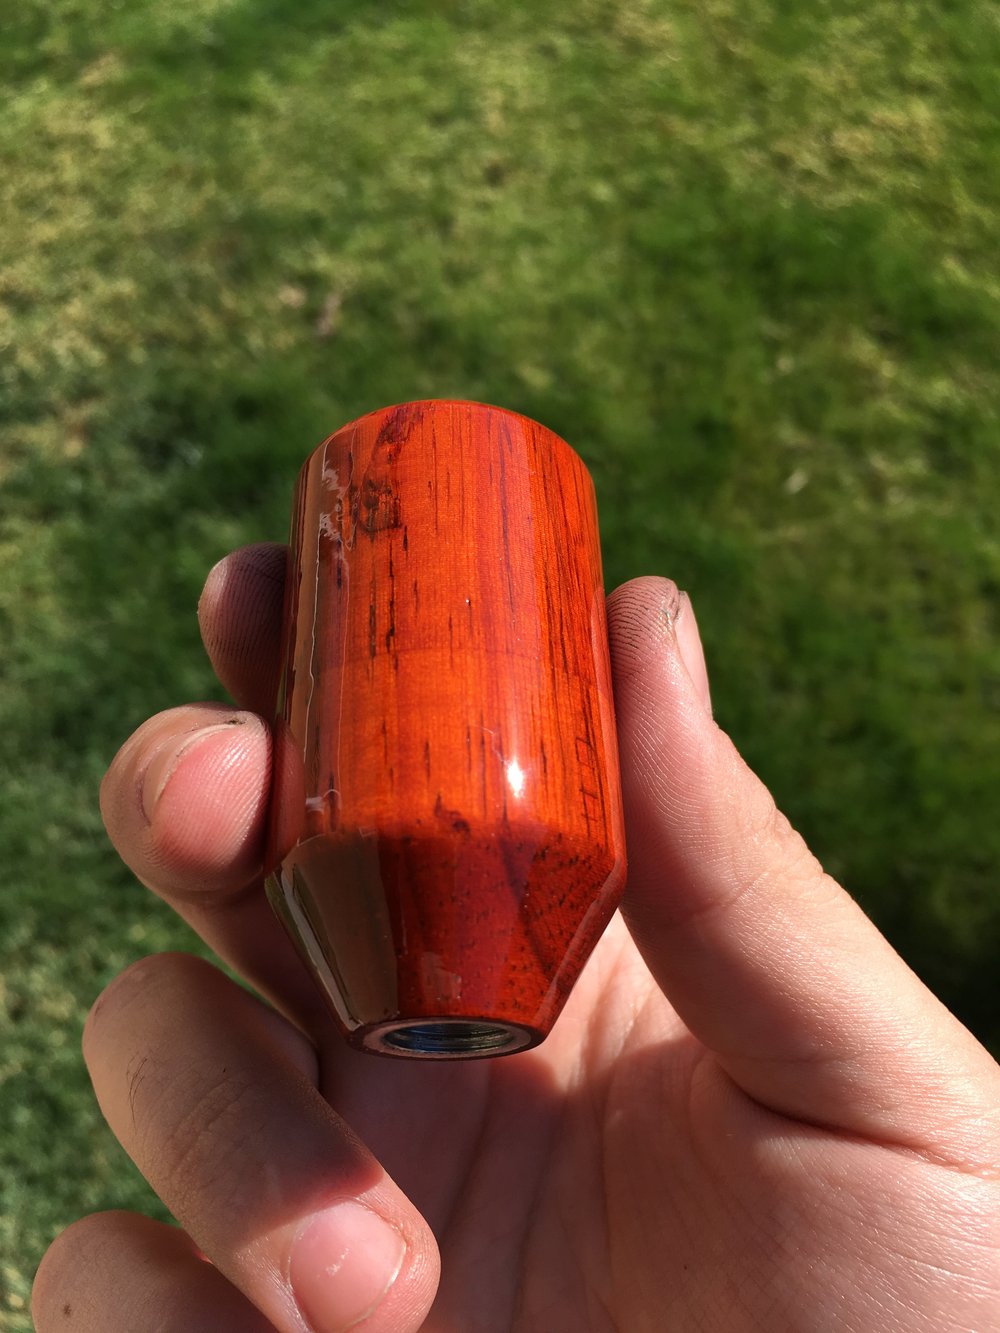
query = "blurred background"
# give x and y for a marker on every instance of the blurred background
(743, 256)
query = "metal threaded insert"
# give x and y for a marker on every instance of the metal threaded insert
(452, 1037)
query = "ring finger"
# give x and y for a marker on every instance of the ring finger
(214, 1098)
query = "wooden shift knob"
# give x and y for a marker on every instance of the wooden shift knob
(446, 767)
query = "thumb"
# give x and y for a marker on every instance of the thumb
(765, 958)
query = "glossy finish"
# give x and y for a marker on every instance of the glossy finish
(446, 761)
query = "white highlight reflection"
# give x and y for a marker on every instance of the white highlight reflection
(515, 777)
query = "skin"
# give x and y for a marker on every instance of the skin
(751, 1114)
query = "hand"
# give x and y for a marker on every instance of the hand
(751, 1114)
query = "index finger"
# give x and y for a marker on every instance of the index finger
(239, 614)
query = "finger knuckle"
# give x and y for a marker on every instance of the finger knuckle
(772, 848)
(204, 1152)
(138, 984)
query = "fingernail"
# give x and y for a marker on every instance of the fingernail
(343, 1263)
(689, 645)
(164, 760)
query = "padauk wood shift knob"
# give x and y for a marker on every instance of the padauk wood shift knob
(446, 768)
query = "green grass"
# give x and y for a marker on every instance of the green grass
(742, 256)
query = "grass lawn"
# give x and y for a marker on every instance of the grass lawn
(742, 256)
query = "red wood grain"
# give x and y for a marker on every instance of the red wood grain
(446, 760)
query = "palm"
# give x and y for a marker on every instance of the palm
(505, 1158)
(617, 1171)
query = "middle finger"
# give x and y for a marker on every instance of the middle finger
(185, 804)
